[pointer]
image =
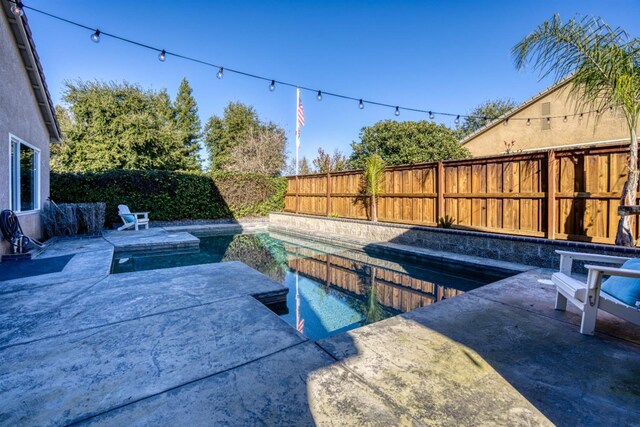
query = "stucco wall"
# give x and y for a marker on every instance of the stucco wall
(20, 116)
(609, 126)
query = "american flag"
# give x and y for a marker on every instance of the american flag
(300, 115)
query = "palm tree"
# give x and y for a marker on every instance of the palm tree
(373, 176)
(604, 63)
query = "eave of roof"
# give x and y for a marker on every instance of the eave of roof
(27, 48)
(516, 109)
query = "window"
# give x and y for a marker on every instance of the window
(25, 176)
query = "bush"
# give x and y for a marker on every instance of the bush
(170, 196)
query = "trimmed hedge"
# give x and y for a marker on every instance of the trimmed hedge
(170, 196)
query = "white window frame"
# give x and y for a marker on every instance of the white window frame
(36, 203)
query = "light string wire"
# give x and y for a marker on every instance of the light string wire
(320, 93)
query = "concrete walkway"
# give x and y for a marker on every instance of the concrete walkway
(193, 346)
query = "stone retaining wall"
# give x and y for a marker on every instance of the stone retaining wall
(523, 250)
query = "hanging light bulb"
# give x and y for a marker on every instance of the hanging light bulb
(220, 73)
(272, 86)
(16, 8)
(162, 56)
(319, 96)
(580, 117)
(361, 105)
(505, 122)
(397, 113)
(565, 119)
(95, 37)
(457, 120)
(431, 116)
(528, 122)
(548, 120)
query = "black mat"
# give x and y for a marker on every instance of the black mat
(10, 270)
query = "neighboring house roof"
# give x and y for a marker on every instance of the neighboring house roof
(517, 109)
(27, 48)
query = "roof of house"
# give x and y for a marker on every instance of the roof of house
(27, 48)
(517, 109)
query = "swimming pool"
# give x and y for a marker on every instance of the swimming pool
(332, 289)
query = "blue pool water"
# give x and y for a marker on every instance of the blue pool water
(331, 289)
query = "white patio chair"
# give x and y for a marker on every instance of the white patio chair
(132, 219)
(589, 297)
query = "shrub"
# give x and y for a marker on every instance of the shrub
(170, 196)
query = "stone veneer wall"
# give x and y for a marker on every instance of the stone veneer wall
(524, 250)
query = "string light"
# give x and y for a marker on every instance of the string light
(565, 119)
(397, 113)
(548, 120)
(272, 86)
(18, 6)
(220, 74)
(580, 118)
(95, 37)
(505, 122)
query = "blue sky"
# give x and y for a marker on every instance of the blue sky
(433, 55)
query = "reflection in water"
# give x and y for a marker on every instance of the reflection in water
(332, 289)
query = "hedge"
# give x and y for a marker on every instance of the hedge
(170, 196)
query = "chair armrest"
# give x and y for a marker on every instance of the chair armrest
(144, 214)
(612, 271)
(608, 259)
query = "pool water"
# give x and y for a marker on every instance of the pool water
(331, 289)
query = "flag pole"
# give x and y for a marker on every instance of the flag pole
(297, 127)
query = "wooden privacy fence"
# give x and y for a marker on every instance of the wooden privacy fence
(566, 194)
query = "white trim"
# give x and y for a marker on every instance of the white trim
(580, 144)
(13, 139)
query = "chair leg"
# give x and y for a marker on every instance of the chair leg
(561, 302)
(589, 316)
(136, 226)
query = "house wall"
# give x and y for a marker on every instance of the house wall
(610, 126)
(19, 116)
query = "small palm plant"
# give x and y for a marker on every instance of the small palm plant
(446, 221)
(604, 63)
(373, 176)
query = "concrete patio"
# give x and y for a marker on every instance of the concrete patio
(194, 345)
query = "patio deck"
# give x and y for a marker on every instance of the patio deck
(191, 345)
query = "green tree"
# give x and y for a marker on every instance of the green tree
(490, 109)
(188, 124)
(604, 64)
(235, 127)
(116, 126)
(406, 142)
(325, 162)
(372, 176)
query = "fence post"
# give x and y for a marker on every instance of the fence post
(551, 195)
(440, 191)
(297, 195)
(328, 193)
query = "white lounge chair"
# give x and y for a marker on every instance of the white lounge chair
(132, 219)
(589, 297)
